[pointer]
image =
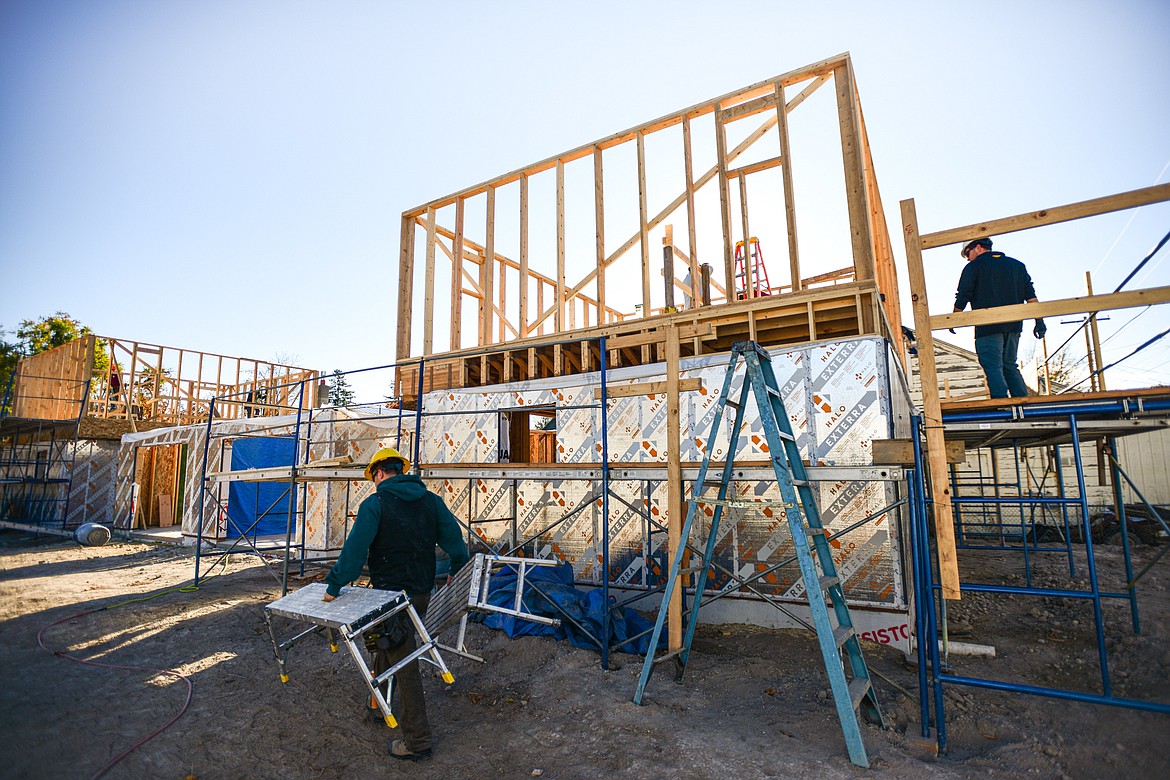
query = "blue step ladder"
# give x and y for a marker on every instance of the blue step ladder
(822, 587)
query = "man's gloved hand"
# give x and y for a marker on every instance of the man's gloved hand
(1040, 329)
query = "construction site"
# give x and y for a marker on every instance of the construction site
(809, 540)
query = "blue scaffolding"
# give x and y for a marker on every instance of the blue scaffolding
(1028, 518)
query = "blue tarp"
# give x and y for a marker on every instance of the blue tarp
(266, 501)
(556, 583)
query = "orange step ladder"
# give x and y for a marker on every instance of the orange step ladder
(760, 284)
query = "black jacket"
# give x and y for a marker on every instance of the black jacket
(994, 279)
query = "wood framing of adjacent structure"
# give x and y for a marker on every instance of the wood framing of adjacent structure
(522, 302)
(155, 383)
(925, 323)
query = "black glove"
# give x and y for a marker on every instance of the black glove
(1040, 329)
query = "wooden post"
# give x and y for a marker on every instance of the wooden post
(487, 270)
(405, 288)
(944, 522)
(789, 188)
(457, 279)
(643, 228)
(560, 321)
(725, 206)
(599, 210)
(524, 255)
(1096, 335)
(674, 503)
(429, 289)
(863, 265)
(690, 183)
(749, 270)
(668, 269)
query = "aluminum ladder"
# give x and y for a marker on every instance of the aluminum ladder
(809, 539)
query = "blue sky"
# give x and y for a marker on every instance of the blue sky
(228, 175)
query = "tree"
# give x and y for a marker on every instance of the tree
(340, 393)
(9, 355)
(36, 336)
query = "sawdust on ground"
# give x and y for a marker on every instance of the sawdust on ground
(754, 702)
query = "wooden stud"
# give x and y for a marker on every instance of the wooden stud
(674, 502)
(457, 279)
(855, 194)
(524, 257)
(944, 518)
(1100, 378)
(487, 270)
(749, 271)
(405, 287)
(429, 289)
(560, 316)
(690, 194)
(789, 187)
(599, 212)
(725, 206)
(644, 230)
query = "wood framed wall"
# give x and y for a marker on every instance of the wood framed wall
(155, 383)
(533, 296)
(54, 385)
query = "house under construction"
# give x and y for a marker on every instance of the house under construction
(561, 394)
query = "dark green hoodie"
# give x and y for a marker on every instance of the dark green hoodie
(401, 492)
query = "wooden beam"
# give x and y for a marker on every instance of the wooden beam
(725, 205)
(1086, 304)
(457, 279)
(789, 188)
(560, 288)
(405, 287)
(854, 173)
(487, 269)
(1095, 331)
(756, 167)
(900, 452)
(524, 256)
(429, 289)
(688, 171)
(750, 283)
(944, 519)
(674, 502)
(644, 230)
(599, 216)
(1087, 208)
(649, 388)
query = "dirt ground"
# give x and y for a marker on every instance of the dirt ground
(754, 702)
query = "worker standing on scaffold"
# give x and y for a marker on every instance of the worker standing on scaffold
(993, 279)
(396, 531)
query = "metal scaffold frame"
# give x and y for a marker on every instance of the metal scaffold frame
(37, 458)
(943, 521)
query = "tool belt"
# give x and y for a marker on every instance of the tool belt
(390, 634)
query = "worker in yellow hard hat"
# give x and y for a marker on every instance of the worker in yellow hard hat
(395, 534)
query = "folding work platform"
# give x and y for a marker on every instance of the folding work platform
(351, 614)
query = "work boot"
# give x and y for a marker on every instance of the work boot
(397, 749)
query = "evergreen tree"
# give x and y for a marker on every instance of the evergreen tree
(340, 393)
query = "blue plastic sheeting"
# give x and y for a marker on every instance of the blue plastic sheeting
(262, 503)
(556, 583)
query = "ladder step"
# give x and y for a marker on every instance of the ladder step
(810, 531)
(828, 581)
(691, 570)
(732, 404)
(841, 635)
(858, 687)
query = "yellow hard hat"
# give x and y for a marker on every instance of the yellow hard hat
(386, 453)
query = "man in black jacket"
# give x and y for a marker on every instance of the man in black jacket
(396, 531)
(994, 279)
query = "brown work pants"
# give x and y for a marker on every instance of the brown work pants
(412, 712)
